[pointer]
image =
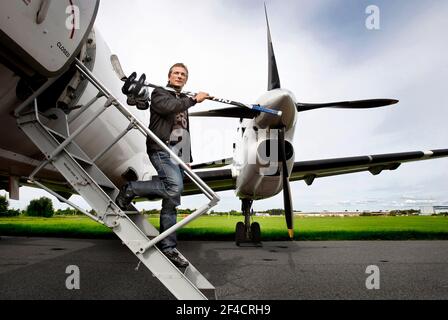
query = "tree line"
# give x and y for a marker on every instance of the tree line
(42, 207)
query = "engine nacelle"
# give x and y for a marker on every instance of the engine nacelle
(259, 174)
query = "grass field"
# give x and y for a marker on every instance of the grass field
(273, 228)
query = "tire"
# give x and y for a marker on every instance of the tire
(239, 233)
(256, 232)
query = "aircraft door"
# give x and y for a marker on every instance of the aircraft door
(44, 36)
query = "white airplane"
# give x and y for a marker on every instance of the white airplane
(39, 44)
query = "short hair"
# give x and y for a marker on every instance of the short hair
(179, 64)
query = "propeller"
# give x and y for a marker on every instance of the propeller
(359, 104)
(285, 179)
(274, 83)
(273, 77)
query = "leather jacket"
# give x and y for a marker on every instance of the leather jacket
(165, 105)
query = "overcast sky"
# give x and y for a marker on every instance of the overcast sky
(324, 53)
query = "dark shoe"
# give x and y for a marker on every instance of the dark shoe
(125, 197)
(177, 260)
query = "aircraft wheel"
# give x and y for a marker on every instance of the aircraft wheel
(239, 233)
(256, 232)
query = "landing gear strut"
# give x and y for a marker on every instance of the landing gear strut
(245, 232)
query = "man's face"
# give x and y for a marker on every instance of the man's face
(178, 77)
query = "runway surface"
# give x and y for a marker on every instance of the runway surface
(35, 268)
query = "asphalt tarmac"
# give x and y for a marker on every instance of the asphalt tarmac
(35, 268)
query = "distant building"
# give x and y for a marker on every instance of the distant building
(262, 214)
(429, 210)
(327, 213)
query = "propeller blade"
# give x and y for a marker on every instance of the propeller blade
(286, 189)
(273, 77)
(359, 104)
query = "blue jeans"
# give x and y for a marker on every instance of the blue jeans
(169, 187)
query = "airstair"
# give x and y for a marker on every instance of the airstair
(49, 131)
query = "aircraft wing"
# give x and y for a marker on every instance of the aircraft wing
(217, 179)
(221, 179)
(375, 164)
(212, 164)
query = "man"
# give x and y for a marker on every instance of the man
(169, 122)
